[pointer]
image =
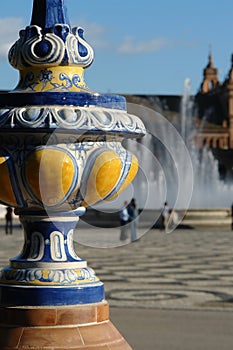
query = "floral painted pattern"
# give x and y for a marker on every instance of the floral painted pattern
(46, 79)
(46, 76)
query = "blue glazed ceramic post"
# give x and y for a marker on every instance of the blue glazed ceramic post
(60, 153)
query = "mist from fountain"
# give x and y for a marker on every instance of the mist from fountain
(172, 168)
(209, 191)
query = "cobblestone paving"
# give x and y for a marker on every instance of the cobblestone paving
(191, 269)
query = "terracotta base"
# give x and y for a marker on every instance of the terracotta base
(78, 327)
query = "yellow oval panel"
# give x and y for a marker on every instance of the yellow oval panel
(50, 174)
(6, 191)
(104, 176)
(129, 178)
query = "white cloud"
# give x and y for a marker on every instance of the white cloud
(9, 29)
(94, 33)
(129, 46)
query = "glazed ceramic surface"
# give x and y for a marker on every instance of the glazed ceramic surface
(61, 152)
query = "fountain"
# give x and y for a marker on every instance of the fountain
(172, 165)
(61, 152)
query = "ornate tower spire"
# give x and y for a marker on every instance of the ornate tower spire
(210, 64)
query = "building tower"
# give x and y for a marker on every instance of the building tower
(210, 79)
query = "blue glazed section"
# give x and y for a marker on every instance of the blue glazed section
(39, 296)
(78, 99)
(46, 13)
(46, 230)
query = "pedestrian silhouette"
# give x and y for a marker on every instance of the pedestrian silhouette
(133, 218)
(8, 217)
(165, 216)
(232, 217)
(124, 219)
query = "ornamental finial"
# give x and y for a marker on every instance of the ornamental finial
(47, 13)
(50, 51)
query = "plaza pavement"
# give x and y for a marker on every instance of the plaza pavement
(166, 291)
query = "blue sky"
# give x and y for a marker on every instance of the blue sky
(141, 47)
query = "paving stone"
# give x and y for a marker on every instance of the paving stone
(186, 269)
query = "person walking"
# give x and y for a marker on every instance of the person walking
(232, 216)
(133, 218)
(124, 219)
(165, 215)
(8, 217)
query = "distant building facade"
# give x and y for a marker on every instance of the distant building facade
(214, 102)
(212, 114)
